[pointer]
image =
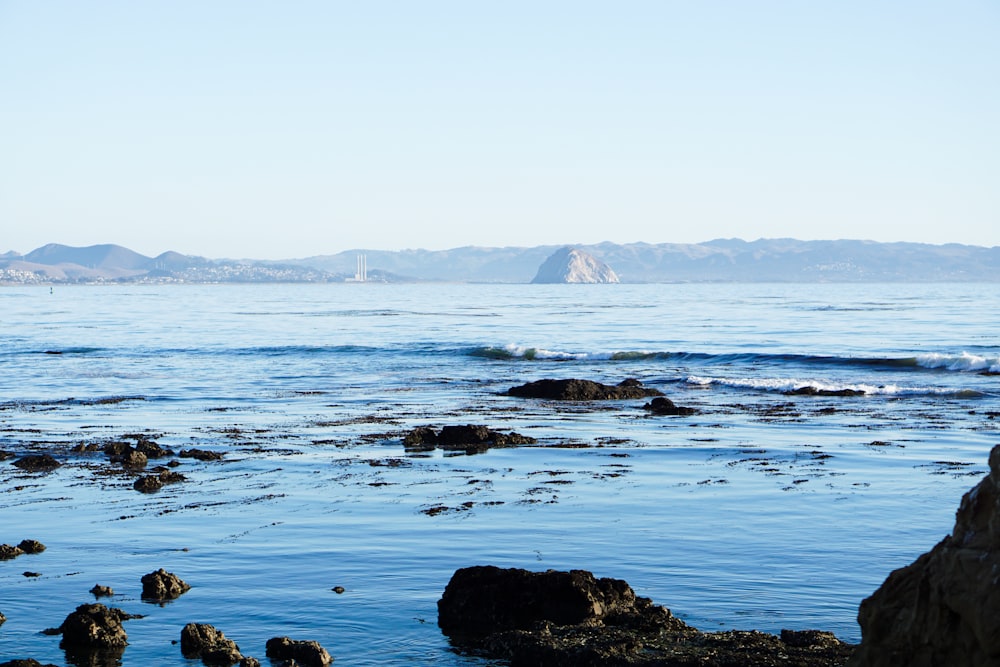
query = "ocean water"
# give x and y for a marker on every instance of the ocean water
(764, 510)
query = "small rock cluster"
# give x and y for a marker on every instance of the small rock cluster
(8, 552)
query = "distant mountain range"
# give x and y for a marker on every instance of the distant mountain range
(723, 260)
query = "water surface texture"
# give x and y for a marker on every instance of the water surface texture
(837, 427)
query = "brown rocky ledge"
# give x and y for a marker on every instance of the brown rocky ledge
(582, 390)
(557, 619)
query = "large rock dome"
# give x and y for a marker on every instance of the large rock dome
(569, 265)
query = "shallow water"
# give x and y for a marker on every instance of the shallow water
(764, 510)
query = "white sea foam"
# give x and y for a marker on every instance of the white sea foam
(960, 362)
(793, 384)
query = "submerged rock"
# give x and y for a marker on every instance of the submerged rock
(572, 619)
(582, 390)
(306, 653)
(163, 585)
(25, 662)
(943, 609)
(152, 483)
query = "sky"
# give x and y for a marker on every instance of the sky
(276, 130)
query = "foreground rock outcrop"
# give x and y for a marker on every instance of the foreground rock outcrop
(582, 390)
(201, 640)
(557, 619)
(944, 608)
(570, 265)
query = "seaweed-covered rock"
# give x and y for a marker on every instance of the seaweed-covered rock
(582, 390)
(200, 640)
(163, 585)
(943, 608)
(37, 463)
(307, 653)
(572, 619)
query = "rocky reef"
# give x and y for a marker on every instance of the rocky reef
(557, 619)
(944, 608)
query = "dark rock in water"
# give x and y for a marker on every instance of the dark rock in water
(582, 390)
(26, 662)
(163, 585)
(153, 450)
(943, 609)
(572, 619)
(31, 546)
(200, 454)
(94, 626)
(116, 449)
(308, 653)
(813, 391)
(471, 438)
(664, 406)
(2, 618)
(37, 463)
(422, 436)
(99, 591)
(134, 460)
(482, 600)
(200, 640)
(30, 574)
(8, 552)
(4, 455)
(152, 483)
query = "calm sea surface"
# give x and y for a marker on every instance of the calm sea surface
(764, 510)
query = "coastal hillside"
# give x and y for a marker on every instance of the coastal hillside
(722, 260)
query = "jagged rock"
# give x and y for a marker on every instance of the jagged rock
(200, 640)
(163, 585)
(943, 608)
(308, 653)
(582, 390)
(94, 626)
(153, 450)
(134, 460)
(664, 406)
(569, 265)
(37, 463)
(572, 619)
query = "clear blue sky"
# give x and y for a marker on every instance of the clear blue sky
(241, 128)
